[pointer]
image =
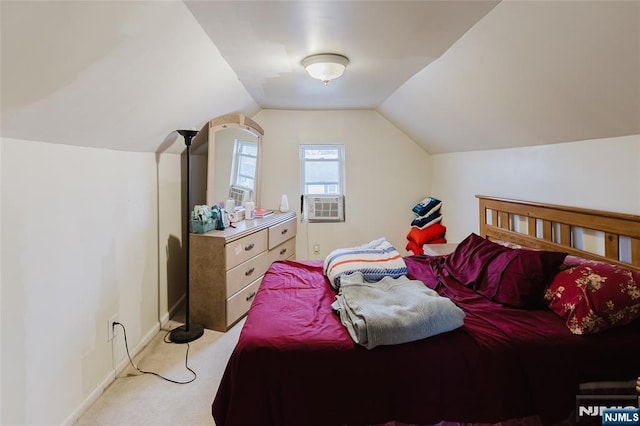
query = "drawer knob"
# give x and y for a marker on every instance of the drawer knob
(249, 272)
(284, 231)
(249, 247)
(251, 296)
(283, 251)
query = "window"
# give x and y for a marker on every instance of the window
(322, 169)
(245, 156)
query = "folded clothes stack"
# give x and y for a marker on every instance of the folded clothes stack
(426, 227)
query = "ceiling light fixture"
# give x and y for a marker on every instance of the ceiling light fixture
(326, 66)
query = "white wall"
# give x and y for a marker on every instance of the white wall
(79, 244)
(386, 174)
(171, 231)
(600, 174)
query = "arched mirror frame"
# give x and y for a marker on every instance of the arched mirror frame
(231, 121)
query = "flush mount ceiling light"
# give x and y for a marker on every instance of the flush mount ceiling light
(326, 66)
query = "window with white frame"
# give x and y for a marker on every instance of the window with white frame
(322, 169)
(245, 156)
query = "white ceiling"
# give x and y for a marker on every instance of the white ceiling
(387, 42)
(453, 75)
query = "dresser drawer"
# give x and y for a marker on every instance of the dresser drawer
(245, 248)
(246, 272)
(283, 251)
(282, 232)
(239, 303)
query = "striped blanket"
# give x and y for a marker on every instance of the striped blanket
(375, 260)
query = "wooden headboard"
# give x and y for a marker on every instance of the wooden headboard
(555, 227)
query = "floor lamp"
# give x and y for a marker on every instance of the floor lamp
(187, 332)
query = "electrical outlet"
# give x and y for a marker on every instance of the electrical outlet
(111, 329)
(316, 249)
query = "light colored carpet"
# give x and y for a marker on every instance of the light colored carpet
(145, 399)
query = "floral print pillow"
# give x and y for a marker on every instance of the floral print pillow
(595, 296)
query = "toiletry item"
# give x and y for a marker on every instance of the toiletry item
(230, 205)
(225, 217)
(284, 203)
(219, 217)
(249, 207)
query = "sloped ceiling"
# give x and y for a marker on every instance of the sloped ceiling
(114, 74)
(482, 75)
(529, 73)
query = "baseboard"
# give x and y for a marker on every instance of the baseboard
(90, 399)
(110, 377)
(146, 339)
(167, 316)
(164, 319)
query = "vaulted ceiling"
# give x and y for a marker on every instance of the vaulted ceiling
(453, 75)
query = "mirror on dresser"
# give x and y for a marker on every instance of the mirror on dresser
(226, 155)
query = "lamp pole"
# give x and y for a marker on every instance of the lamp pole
(187, 332)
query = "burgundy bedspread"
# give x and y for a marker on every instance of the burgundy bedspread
(295, 363)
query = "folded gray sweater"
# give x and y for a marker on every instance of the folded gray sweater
(393, 310)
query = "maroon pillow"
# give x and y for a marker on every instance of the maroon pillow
(519, 278)
(514, 277)
(594, 296)
(467, 263)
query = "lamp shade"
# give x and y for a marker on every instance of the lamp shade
(325, 67)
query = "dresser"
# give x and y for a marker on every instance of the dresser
(226, 267)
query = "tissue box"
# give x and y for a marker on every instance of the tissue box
(200, 226)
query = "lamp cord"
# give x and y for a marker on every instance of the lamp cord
(186, 359)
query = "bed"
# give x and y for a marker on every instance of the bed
(296, 364)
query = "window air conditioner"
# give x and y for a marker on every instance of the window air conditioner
(239, 194)
(323, 208)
